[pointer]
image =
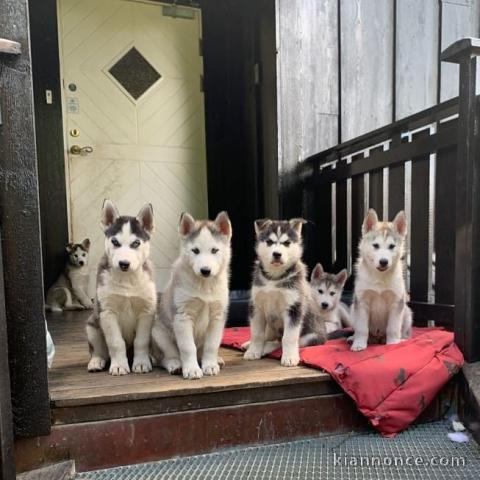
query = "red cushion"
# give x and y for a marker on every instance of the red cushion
(391, 384)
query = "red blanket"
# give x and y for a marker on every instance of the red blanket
(391, 384)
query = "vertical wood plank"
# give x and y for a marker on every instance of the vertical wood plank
(341, 225)
(375, 187)
(396, 185)
(459, 19)
(366, 65)
(444, 235)
(323, 224)
(419, 225)
(358, 213)
(417, 56)
(307, 47)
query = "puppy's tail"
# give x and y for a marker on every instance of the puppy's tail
(340, 333)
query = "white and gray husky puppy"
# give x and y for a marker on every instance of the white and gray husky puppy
(70, 291)
(380, 312)
(282, 311)
(126, 297)
(193, 308)
(327, 292)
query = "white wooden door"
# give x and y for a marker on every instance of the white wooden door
(132, 91)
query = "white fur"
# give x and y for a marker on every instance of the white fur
(380, 306)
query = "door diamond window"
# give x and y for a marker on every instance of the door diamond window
(134, 73)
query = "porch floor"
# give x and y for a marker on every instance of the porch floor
(77, 395)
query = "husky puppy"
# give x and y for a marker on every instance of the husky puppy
(281, 305)
(193, 307)
(380, 311)
(327, 292)
(69, 292)
(126, 295)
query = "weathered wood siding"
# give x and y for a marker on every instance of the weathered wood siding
(384, 54)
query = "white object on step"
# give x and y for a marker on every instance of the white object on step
(458, 437)
(458, 426)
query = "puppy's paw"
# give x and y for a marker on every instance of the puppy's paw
(253, 353)
(173, 366)
(119, 367)
(210, 368)
(96, 364)
(88, 305)
(192, 372)
(245, 345)
(393, 341)
(358, 345)
(350, 338)
(290, 360)
(221, 362)
(142, 364)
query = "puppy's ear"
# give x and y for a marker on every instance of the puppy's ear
(260, 224)
(400, 223)
(341, 277)
(86, 244)
(109, 213)
(223, 223)
(370, 221)
(186, 225)
(296, 224)
(317, 272)
(69, 247)
(145, 218)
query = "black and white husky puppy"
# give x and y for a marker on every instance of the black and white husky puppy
(282, 307)
(327, 292)
(70, 291)
(126, 295)
(193, 307)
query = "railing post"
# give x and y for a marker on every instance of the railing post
(467, 235)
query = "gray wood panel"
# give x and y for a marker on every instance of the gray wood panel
(366, 65)
(460, 18)
(417, 56)
(307, 69)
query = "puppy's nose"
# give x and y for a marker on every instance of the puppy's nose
(277, 255)
(81, 262)
(383, 262)
(205, 272)
(124, 265)
(324, 305)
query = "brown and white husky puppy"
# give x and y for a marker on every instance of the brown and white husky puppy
(70, 291)
(126, 297)
(193, 308)
(327, 292)
(380, 311)
(282, 311)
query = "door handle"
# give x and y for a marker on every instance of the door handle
(78, 150)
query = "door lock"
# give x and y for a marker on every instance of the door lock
(78, 150)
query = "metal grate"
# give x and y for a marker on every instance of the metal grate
(319, 458)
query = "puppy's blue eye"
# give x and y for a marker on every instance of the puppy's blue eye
(196, 251)
(320, 291)
(269, 242)
(135, 244)
(287, 243)
(115, 242)
(376, 246)
(391, 246)
(214, 250)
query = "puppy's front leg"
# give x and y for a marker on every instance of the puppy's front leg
(213, 338)
(115, 343)
(360, 319)
(141, 344)
(82, 297)
(183, 328)
(292, 324)
(395, 321)
(257, 327)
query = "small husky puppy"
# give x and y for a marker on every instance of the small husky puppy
(327, 292)
(380, 311)
(69, 292)
(281, 305)
(126, 295)
(193, 308)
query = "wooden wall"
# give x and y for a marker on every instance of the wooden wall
(346, 67)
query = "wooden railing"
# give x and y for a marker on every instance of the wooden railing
(428, 165)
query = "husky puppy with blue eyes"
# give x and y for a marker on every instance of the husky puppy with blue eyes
(380, 312)
(193, 308)
(327, 292)
(126, 297)
(70, 291)
(282, 311)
